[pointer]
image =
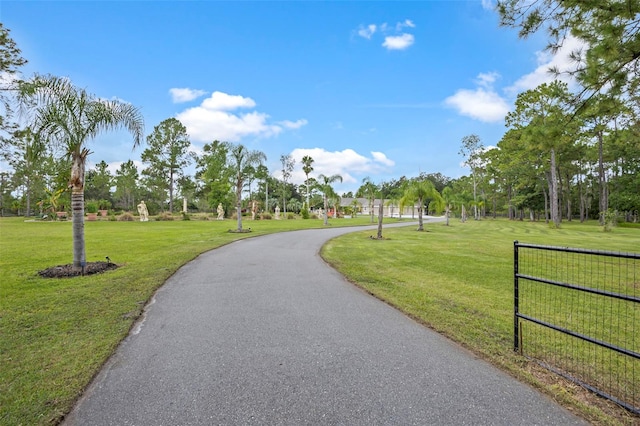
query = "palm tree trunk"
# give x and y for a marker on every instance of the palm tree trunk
(380, 214)
(77, 209)
(77, 217)
(239, 204)
(420, 207)
(326, 212)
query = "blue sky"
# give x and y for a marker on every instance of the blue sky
(377, 89)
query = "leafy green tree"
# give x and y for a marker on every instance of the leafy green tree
(598, 114)
(471, 151)
(26, 158)
(215, 174)
(307, 168)
(368, 190)
(287, 163)
(324, 185)
(421, 191)
(608, 27)
(540, 114)
(262, 174)
(187, 189)
(243, 163)
(355, 206)
(126, 182)
(448, 197)
(67, 115)
(98, 182)
(6, 188)
(10, 63)
(167, 155)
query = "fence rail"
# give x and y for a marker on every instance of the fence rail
(577, 312)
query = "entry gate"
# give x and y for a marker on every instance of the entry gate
(577, 313)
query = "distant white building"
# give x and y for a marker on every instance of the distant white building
(389, 209)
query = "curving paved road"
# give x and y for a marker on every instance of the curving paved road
(263, 332)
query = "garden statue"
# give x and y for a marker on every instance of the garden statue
(220, 211)
(254, 208)
(144, 213)
(277, 212)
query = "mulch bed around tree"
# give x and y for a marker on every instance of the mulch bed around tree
(65, 271)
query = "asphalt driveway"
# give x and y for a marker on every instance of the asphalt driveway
(262, 331)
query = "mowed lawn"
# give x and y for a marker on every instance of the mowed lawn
(56, 333)
(458, 280)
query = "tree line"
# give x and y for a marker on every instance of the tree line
(564, 154)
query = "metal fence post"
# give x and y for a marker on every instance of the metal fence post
(515, 297)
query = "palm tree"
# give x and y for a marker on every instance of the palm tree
(391, 203)
(324, 184)
(307, 168)
(355, 207)
(369, 191)
(421, 190)
(448, 197)
(69, 116)
(243, 163)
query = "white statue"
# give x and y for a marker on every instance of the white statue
(143, 212)
(277, 212)
(220, 211)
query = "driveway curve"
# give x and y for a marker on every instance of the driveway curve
(262, 331)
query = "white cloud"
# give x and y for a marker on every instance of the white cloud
(368, 31)
(213, 119)
(394, 37)
(400, 42)
(179, 95)
(485, 104)
(293, 124)
(407, 23)
(487, 79)
(560, 60)
(382, 159)
(223, 102)
(114, 166)
(488, 5)
(481, 104)
(347, 163)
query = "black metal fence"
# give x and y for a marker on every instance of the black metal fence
(577, 312)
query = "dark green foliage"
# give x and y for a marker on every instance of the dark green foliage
(166, 157)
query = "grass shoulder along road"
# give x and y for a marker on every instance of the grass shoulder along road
(458, 280)
(55, 334)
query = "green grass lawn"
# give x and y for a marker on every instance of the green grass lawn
(459, 280)
(56, 333)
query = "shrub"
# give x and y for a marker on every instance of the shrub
(164, 216)
(185, 216)
(126, 217)
(91, 207)
(314, 216)
(291, 215)
(304, 213)
(265, 216)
